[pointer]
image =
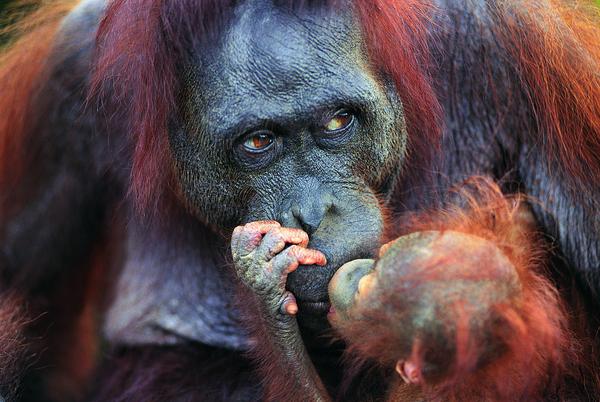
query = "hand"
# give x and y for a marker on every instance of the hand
(264, 253)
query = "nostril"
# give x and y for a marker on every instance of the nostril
(308, 210)
(308, 227)
(310, 219)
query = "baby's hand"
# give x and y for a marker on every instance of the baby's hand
(264, 253)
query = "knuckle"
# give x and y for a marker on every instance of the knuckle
(277, 246)
(250, 238)
(298, 233)
(302, 233)
(256, 225)
(236, 232)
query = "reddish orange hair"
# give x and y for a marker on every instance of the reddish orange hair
(23, 69)
(556, 46)
(396, 32)
(540, 352)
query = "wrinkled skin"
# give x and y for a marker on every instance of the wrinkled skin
(322, 181)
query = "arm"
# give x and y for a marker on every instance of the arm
(262, 263)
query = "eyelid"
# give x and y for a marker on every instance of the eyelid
(253, 159)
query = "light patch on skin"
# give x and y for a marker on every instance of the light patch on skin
(344, 287)
(365, 286)
(362, 288)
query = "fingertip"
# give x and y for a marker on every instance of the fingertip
(319, 258)
(300, 238)
(304, 240)
(291, 308)
(322, 259)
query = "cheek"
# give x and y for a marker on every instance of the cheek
(349, 302)
(382, 151)
(207, 182)
(366, 285)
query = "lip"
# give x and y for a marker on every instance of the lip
(320, 308)
(331, 313)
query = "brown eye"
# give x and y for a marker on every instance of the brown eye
(340, 121)
(258, 142)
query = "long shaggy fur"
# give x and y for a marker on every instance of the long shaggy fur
(183, 373)
(540, 353)
(556, 47)
(23, 71)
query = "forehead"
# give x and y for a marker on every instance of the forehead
(283, 40)
(274, 60)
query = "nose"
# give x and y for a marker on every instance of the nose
(309, 210)
(310, 216)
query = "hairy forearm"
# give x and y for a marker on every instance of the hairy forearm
(262, 263)
(280, 348)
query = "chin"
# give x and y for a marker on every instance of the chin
(313, 316)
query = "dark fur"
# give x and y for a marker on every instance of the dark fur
(182, 373)
(13, 346)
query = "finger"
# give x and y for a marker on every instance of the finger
(262, 226)
(293, 256)
(307, 256)
(276, 239)
(251, 234)
(289, 305)
(235, 238)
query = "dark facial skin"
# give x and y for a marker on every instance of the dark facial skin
(284, 120)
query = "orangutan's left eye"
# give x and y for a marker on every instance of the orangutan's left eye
(340, 121)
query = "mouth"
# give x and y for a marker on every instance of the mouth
(313, 308)
(331, 313)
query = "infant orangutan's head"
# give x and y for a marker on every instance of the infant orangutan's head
(411, 307)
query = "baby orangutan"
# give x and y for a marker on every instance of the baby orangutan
(457, 306)
(428, 299)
